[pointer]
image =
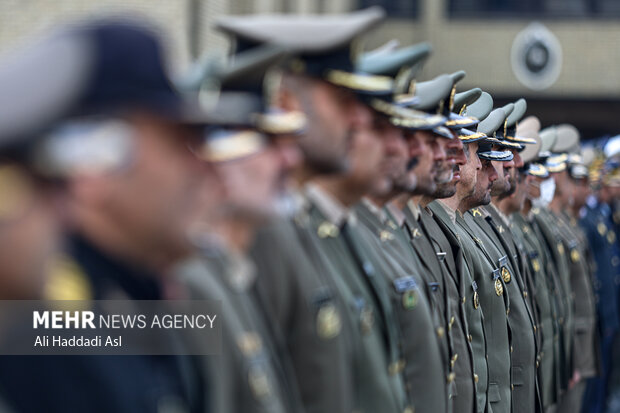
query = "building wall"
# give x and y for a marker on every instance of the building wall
(591, 57)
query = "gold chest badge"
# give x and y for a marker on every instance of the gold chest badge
(410, 299)
(386, 235)
(611, 237)
(328, 322)
(476, 300)
(327, 230)
(505, 272)
(506, 276)
(499, 287)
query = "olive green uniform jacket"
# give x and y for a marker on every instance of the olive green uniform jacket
(490, 286)
(553, 239)
(543, 300)
(498, 238)
(421, 364)
(368, 313)
(307, 312)
(251, 374)
(468, 290)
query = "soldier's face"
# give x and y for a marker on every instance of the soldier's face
(152, 203)
(581, 190)
(424, 146)
(255, 183)
(486, 176)
(502, 184)
(469, 171)
(368, 173)
(514, 171)
(563, 188)
(393, 168)
(29, 233)
(456, 158)
(533, 186)
(517, 198)
(334, 114)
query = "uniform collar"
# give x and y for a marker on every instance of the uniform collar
(330, 207)
(451, 213)
(396, 213)
(504, 218)
(415, 209)
(378, 212)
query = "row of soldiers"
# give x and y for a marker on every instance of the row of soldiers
(378, 243)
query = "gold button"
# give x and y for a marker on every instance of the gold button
(508, 311)
(512, 387)
(475, 378)
(451, 377)
(396, 367)
(534, 328)
(409, 410)
(537, 363)
(524, 294)
(464, 299)
(511, 349)
(440, 332)
(470, 338)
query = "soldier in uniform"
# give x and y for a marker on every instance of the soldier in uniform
(422, 367)
(551, 237)
(583, 357)
(431, 248)
(30, 220)
(585, 353)
(476, 177)
(473, 318)
(321, 82)
(252, 151)
(489, 224)
(517, 208)
(429, 267)
(129, 212)
(599, 230)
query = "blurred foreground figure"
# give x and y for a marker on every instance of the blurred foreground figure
(252, 151)
(133, 189)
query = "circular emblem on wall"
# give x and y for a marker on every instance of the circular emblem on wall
(536, 57)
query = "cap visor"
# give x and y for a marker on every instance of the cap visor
(467, 136)
(502, 156)
(443, 132)
(457, 121)
(406, 118)
(521, 139)
(362, 83)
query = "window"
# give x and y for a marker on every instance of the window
(393, 8)
(534, 8)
